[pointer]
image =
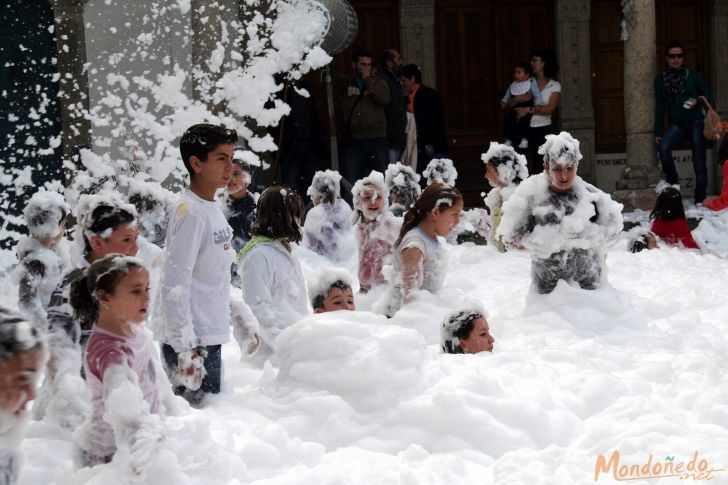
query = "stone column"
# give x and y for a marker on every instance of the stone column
(639, 110)
(573, 50)
(73, 83)
(720, 54)
(417, 37)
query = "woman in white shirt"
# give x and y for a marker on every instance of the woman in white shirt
(545, 66)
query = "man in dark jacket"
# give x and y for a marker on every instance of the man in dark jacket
(429, 113)
(391, 63)
(364, 97)
(677, 90)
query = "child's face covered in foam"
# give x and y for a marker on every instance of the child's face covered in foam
(18, 381)
(561, 175)
(371, 202)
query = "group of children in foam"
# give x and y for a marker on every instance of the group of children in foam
(83, 304)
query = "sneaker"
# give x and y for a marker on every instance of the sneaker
(508, 142)
(523, 144)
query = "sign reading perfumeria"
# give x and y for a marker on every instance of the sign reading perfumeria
(695, 469)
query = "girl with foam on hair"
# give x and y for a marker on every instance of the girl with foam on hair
(466, 332)
(105, 224)
(376, 228)
(271, 275)
(419, 259)
(123, 372)
(504, 170)
(327, 229)
(22, 352)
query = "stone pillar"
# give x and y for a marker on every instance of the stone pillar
(573, 49)
(73, 83)
(417, 37)
(639, 110)
(720, 54)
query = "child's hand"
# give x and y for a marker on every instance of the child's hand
(145, 444)
(190, 369)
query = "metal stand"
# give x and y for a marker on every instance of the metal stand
(332, 123)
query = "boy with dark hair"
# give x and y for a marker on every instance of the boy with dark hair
(332, 291)
(194, 311)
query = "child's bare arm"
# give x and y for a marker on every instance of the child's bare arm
(412, 260)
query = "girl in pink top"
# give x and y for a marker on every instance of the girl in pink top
(123, 377)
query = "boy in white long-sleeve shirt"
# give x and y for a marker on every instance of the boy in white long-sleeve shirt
(195, 283)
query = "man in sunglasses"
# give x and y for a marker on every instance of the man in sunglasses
(677, 90)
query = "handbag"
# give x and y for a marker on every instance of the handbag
(713, 128)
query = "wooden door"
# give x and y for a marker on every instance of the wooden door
(608, 76)
(477, 44)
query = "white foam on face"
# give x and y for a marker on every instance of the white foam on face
(50, 204)
(325, 183)
(515, 167)
(441, 170)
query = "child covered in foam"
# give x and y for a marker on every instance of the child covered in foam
(328, 228)
(565, 223)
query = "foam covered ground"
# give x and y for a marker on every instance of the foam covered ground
(641, 367)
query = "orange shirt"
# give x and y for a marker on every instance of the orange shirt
(411, 99)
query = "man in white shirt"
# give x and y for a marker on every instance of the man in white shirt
(195, 283)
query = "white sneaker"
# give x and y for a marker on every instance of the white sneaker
(523, 144)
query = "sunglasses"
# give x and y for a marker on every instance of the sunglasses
(675, 56)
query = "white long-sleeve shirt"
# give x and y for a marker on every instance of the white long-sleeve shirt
(274, 288)
(194, 299)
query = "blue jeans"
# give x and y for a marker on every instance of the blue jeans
(210, 383)
(364, 155)
(671, 139)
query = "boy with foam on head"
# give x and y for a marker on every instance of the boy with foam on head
(565, 223)
(194, 302)
(332, 291)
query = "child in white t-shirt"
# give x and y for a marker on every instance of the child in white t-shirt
(193, 306)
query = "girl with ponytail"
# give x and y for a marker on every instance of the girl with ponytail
(419, 260)
(125, 380)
